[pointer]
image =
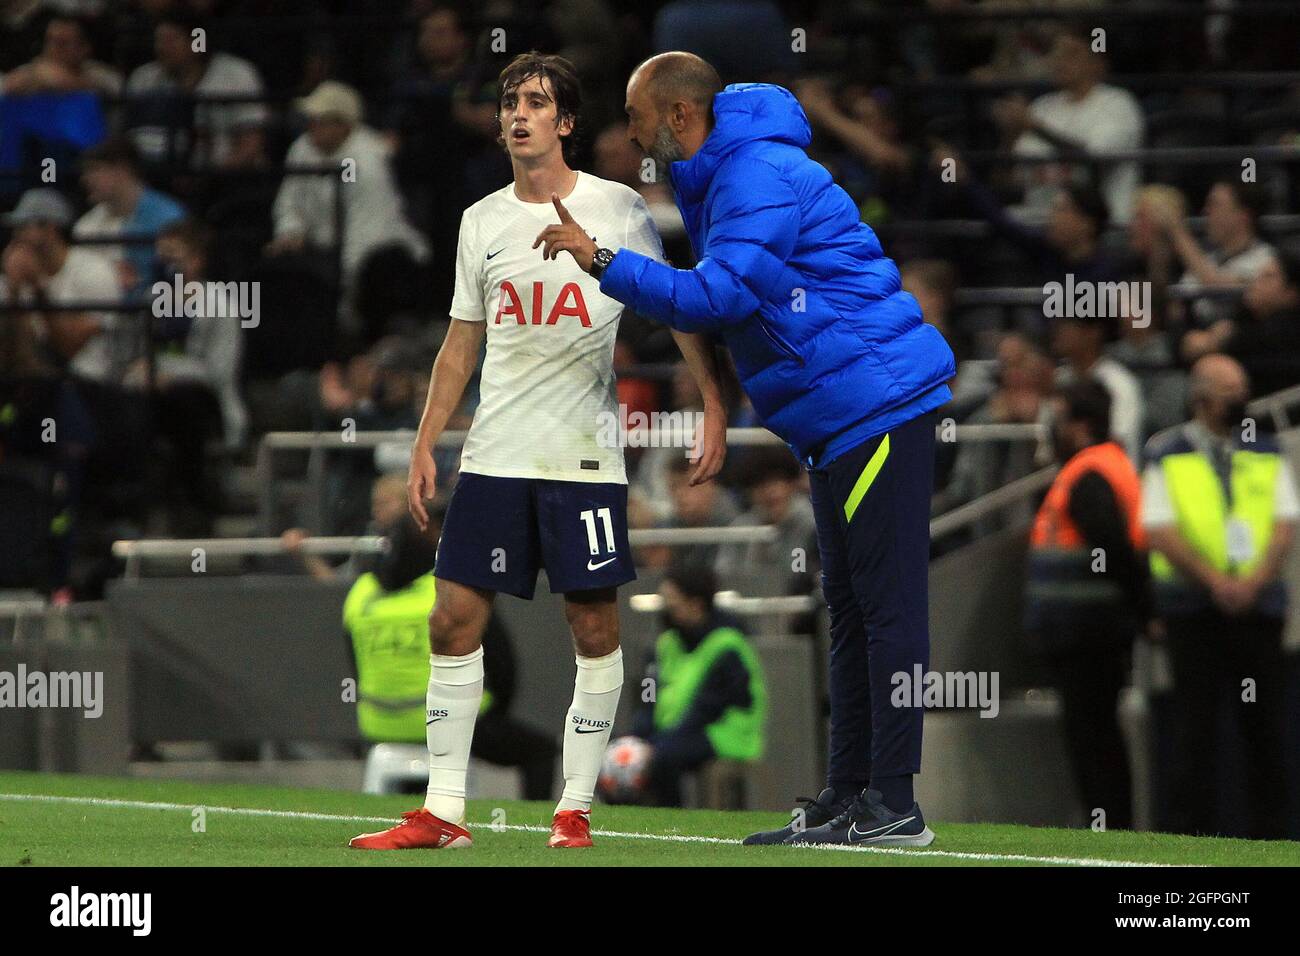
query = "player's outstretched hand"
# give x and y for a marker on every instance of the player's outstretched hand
(421, 482)
(710, 449)
(568, 237)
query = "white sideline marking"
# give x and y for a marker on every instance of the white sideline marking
(615, 834)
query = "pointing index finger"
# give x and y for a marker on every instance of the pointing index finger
(559, 208)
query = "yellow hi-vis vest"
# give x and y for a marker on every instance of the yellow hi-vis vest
(1202, 515)
(739, 733)
(390, 637)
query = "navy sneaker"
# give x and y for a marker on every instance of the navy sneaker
(868, 822)
(813, 814)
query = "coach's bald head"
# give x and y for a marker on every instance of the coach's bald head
(670, 105)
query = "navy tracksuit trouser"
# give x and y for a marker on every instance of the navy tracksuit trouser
(872, 505)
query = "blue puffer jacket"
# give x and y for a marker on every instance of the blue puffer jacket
(828, 347)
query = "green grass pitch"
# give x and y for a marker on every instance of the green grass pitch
(66, 820)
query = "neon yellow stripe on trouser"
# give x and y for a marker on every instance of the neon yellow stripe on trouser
(866, 478)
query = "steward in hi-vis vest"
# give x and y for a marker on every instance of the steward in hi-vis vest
(685, 695)
(386, 614)
(1219, 507)
(1086, 594)
(1222, 498)
(390, 642)
(710, 697)
(1086, 536)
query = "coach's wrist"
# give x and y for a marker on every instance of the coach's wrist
(600, 260)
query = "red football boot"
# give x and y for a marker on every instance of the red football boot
(419, 829)
(571, 828)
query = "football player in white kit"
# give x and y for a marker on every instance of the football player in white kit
(538, 485)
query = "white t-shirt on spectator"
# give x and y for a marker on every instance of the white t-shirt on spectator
(1106, 120)
(86, 277)
(1242, 266)
(216, 123)
(372, 204)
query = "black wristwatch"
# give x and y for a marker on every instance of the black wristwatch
(600, 261)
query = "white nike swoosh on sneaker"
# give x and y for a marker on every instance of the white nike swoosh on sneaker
(597, 567)
(856, 834)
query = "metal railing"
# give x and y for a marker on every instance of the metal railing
(1008, 495)
(736, 603)
(1276, 405)
(22, 608)
(318, 443)
(136, 552)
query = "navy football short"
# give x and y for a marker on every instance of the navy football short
(498, 532)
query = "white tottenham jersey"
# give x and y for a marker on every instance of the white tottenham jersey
(547, 393)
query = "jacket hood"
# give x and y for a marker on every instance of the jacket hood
(742, 113)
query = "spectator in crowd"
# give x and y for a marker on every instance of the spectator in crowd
(1145, 349)
(1022, 383)
(124, 206)
(1219, 506)
(1080, 341)
(1267, 341)
(443, 130)
(710, 699)
(1145, 346)
(65, 65)
(192, 382)
(1087, 596)
(1236, 253)
(778, 499)
(41, 268)
(1021, 49)
(655, 464)
(933, 282)
(1149, 244)
(199, 354)
(618, 159)
(706, 505)
(1070, 242)
(1085, 118)
(224, 135)
(386, 614)
(865, 128)
(373, 217)
(41, 518)
(387, 510)
(377, 391)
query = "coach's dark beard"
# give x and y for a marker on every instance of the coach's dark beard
(665, 151)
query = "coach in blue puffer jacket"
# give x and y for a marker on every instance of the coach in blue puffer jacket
(837, 361)
(827, 346)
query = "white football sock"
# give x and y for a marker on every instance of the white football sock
(455, 689)
(587, 726)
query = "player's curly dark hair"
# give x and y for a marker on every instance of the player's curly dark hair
(562, 78)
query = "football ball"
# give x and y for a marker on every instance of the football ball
(625, 770)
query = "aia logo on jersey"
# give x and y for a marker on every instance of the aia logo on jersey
(569, 302)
